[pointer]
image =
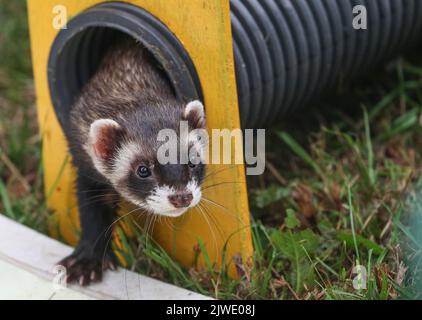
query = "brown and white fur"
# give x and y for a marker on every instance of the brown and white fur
(113, 141)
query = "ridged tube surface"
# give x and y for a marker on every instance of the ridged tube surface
(289, 52)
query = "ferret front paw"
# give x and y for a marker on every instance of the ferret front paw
(84, 269)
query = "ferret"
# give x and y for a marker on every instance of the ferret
(112, 138)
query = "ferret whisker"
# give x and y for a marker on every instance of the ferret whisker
(142, 228)
(146, 228)
(94, 179)
(154, 223)
(120, 218)
(111, 235)
(154, 220)
(211, 229)
(98, 190)
(217, 171)
(101, 196)
(165, 222)
(224, 208)
(148, 223)
(216, 203)
(169, 224)
(108, 241)
(133, 189)
(221, 183)
(96, 199)
(215, 221)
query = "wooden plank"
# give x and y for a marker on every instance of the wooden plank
(36, 254)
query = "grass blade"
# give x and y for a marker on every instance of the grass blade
(296, 148)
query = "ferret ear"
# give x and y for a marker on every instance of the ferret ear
(195, 114)
(105, 137)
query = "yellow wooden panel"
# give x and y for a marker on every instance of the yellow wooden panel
(203, 27)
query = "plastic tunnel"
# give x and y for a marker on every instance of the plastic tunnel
(287, 52)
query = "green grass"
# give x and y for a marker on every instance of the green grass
(20, 146)
(342, 188)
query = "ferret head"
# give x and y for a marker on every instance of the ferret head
(125, 152)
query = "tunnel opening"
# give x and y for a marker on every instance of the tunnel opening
(78, 51)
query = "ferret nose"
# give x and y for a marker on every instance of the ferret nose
(181, 200)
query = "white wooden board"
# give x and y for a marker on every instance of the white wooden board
(27, 259)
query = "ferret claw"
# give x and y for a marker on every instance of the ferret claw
(84, 270)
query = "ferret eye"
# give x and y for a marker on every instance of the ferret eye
(143, 172)
(191, 165)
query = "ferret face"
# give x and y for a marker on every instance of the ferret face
(126, 155)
